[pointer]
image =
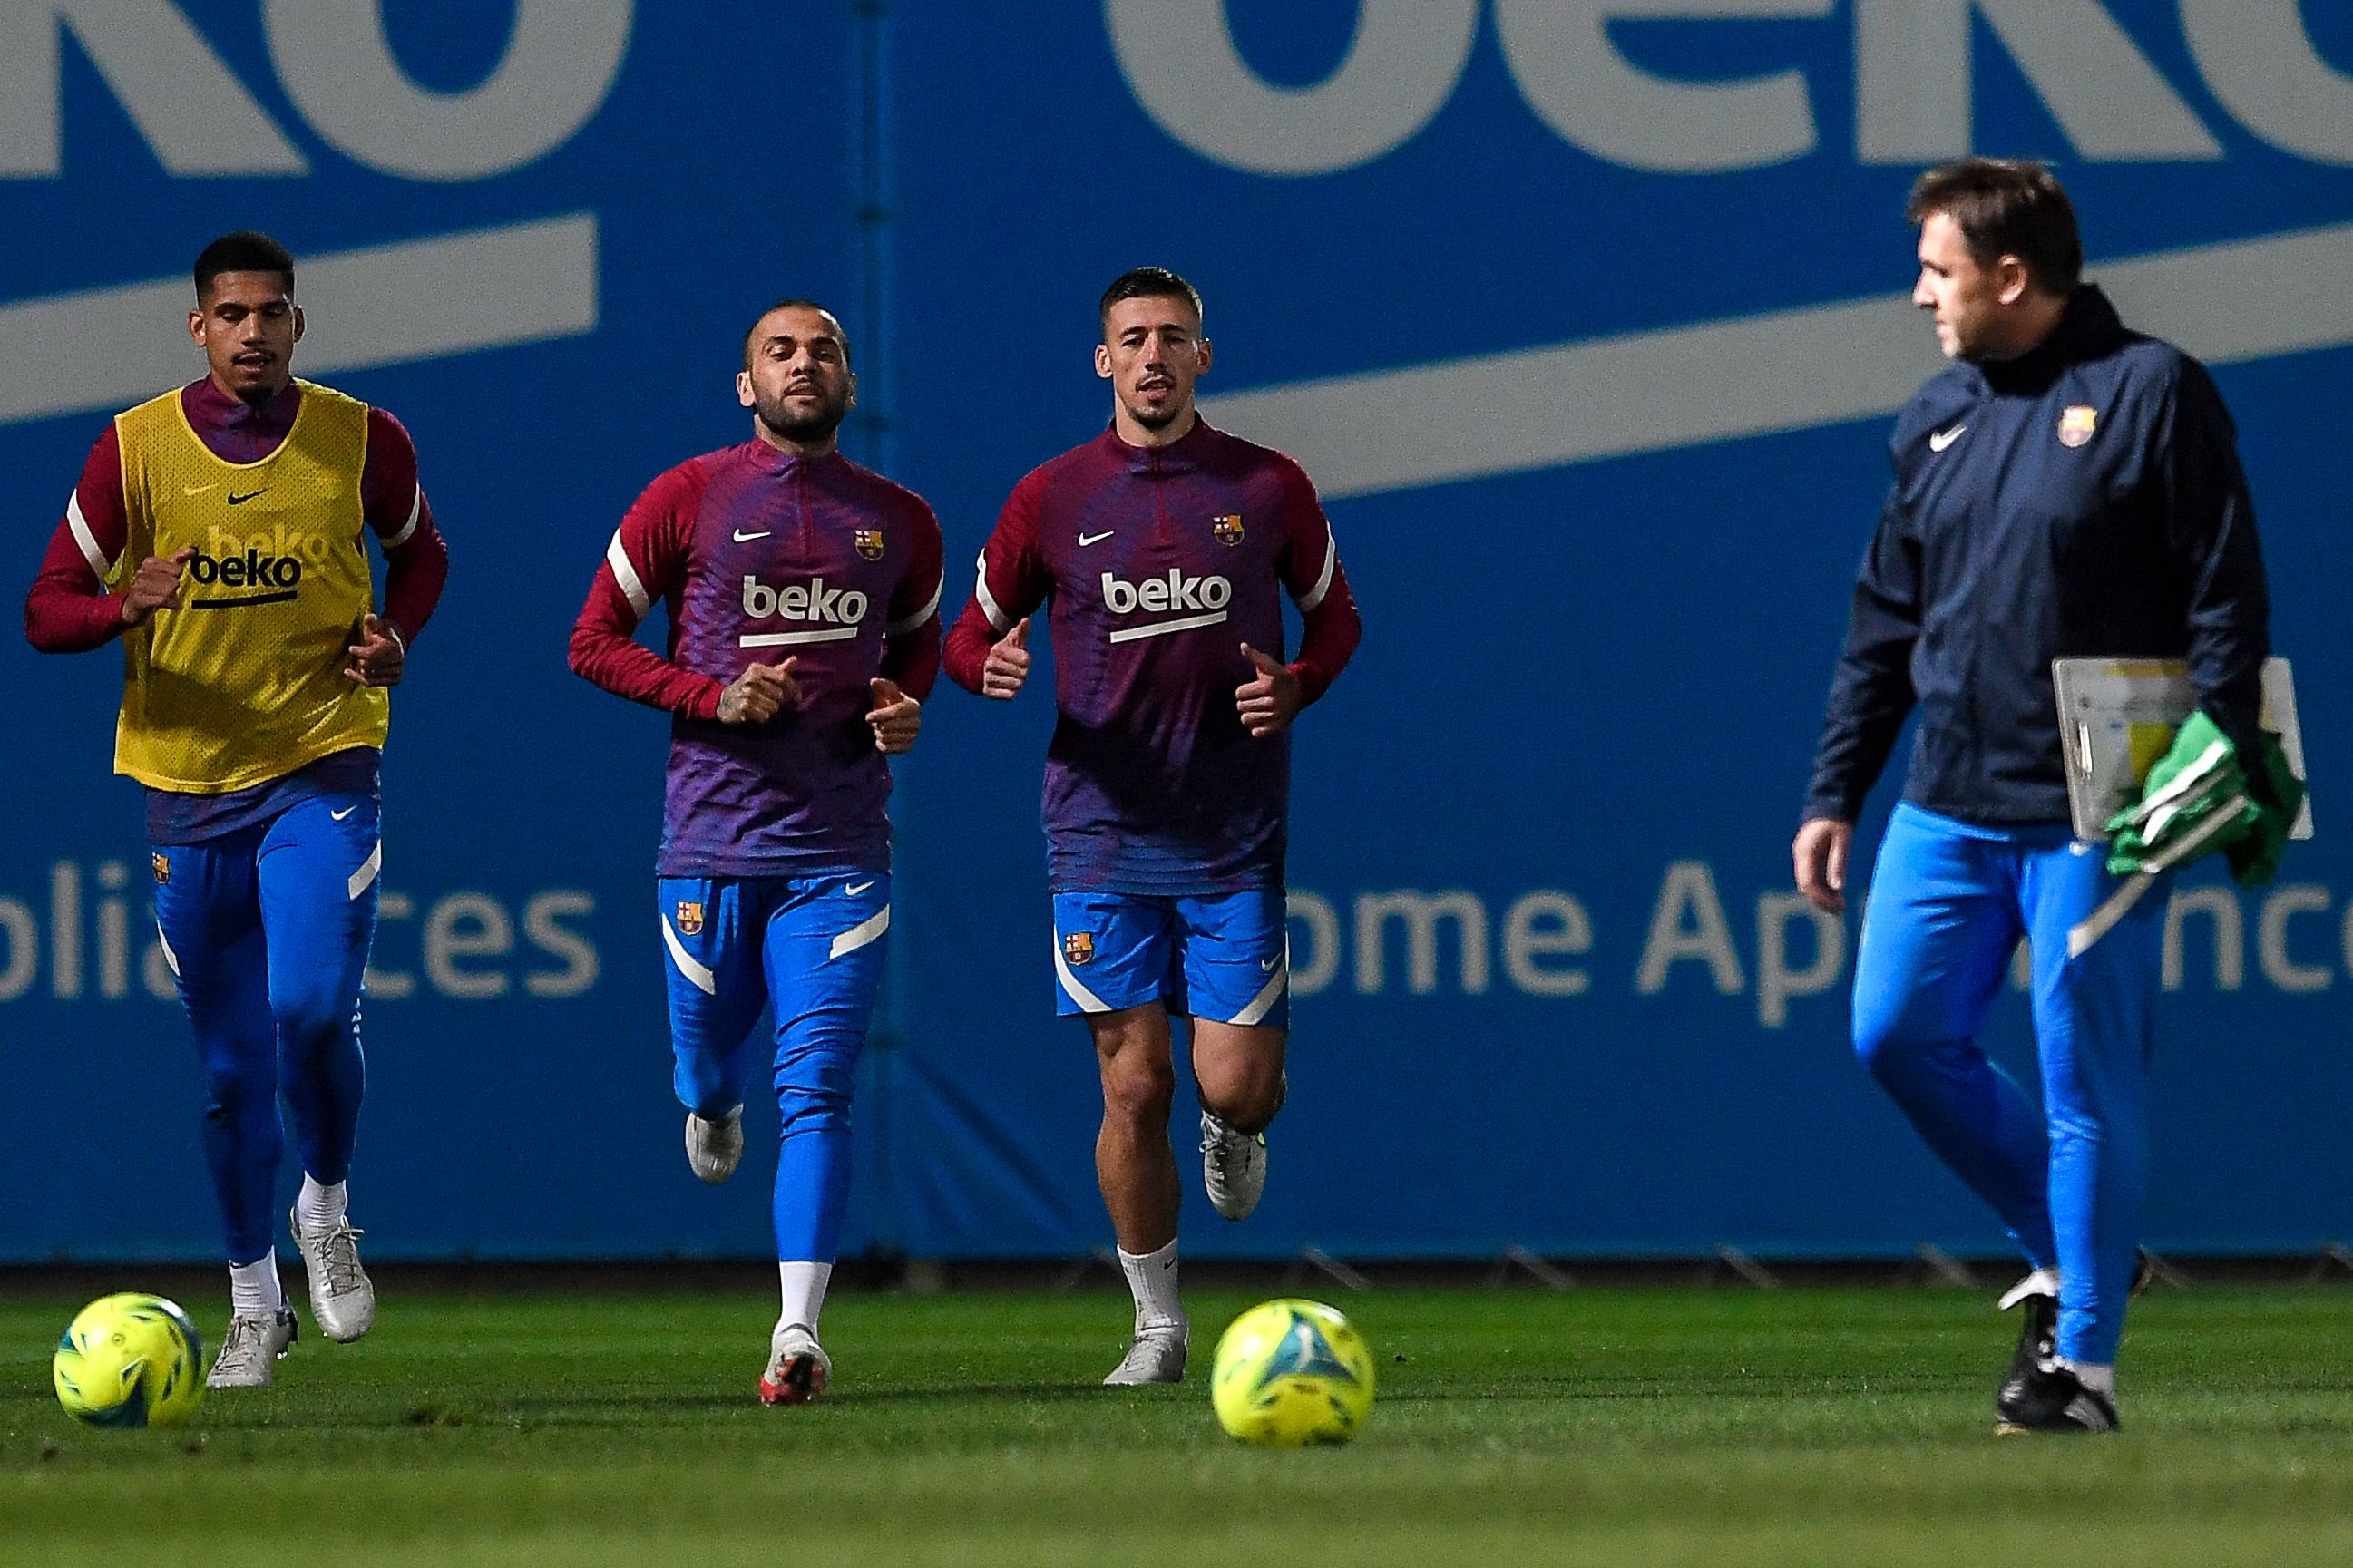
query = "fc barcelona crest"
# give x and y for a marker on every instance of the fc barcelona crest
(161, 867)
(690, 916)
(2076, 425)
(1079, 947)
(1229, 530)
(869, 542)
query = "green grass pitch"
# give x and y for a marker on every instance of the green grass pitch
(1710, 1428)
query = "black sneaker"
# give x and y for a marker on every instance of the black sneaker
(2038, 1337)
(2038, 1343)
(2052, 1398)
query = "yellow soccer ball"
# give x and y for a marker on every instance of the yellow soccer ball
(1291, 1373)
(130, 1361)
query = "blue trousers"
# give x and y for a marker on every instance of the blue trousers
(809, 949)
(1949, 901)
(267, 931)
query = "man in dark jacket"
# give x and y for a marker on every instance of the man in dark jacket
(2065, 488)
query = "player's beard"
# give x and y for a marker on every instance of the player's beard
(804, 428)
(1148, 417)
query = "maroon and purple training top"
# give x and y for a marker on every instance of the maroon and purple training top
(761, 556)
(1158, 564)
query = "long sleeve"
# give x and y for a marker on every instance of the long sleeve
(910, 638)
(2210, 532)
(1871, 692)
(68, 609)
(1313, 578)
(645, 560)
(416, 558)
(1011, 584)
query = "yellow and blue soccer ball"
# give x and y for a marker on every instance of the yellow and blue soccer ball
(1291, 1373)
(130, 1361)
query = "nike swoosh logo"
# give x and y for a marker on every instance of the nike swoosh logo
(237, 500)
(743, 538)
(1943, 438)
(1266, 966)
(856, 888)
(339, 816)
(1087, 539)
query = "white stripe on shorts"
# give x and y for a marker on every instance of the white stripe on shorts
(700, 975)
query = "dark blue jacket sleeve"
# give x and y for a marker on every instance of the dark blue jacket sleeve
(2210, 532)
(1871, 692)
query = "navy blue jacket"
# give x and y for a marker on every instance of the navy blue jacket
(2082, 500)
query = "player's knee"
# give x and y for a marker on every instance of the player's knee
(1140, 1090)
(1879, 1045)
(310, 1018)
(1243, 1094)
(822, 1102)
(240, 1093)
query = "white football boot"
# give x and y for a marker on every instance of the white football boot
(798, 1368)
(342, 1301)
(1233, 1167)
(251, 1349)
(712, 1148)
(1156, 1354)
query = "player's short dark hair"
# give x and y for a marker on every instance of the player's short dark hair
(1147, 283)
(2007, 206)
(246, 251)
(752, 331)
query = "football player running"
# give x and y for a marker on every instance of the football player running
(802, 593)
(218, 530)
(1162, 549)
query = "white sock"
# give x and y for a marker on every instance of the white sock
(253, 1288)
(805, 1286)
(1152, 1280)
(2100, 1379)
(321, 1208)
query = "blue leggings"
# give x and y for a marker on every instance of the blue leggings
(268, 930)
(1949, 903)
(810, 950)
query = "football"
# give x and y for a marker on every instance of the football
(130, 1361)
(1291, 1373)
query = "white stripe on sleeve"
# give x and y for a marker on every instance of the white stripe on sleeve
(997, 617)
(415, 510)
(900, 628)
(626, 576)
(1314, 595)
(86, 539)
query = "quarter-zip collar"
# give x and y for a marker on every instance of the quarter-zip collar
(2088, 329)
(1182, 455)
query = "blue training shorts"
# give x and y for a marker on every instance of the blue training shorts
(1224, 957)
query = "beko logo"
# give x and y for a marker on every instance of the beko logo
(1914, 93)
(837, 611)
(254, 569)
(1158, 595)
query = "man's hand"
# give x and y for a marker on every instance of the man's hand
(1268, 703)
(378, 658)
(1820, 853)
(155, 585)
(758, 694)
(1008, 664)
(896, 718)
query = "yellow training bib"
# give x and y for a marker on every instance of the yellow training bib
(244, 683)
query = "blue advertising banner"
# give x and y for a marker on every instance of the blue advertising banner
(1588, 317)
